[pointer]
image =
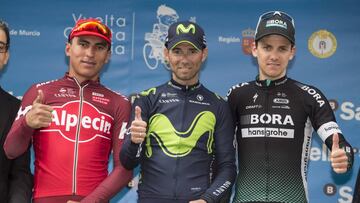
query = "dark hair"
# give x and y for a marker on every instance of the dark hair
(4, 26)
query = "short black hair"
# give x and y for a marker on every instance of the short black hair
(5, 28)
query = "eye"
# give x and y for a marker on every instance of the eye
(194, 51)
(100, 47)
(176, 51)
(267, 48)
(83, 44)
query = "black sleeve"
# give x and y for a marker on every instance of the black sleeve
(323, 120)
(224, 157)
(20, 177)
(130, 154)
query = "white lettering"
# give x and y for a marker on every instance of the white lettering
(273, 119)
(313, 93)
(123, 130)
(71, 120)
(345, 193)
(349, 111)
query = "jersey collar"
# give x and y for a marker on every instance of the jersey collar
(184, 88)
(270, 83)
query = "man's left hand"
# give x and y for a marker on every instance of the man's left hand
(338, 158)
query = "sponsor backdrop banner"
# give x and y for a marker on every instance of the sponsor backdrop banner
(327, 41)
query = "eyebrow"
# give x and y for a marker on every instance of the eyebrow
(103, 43)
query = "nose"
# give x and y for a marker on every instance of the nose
(90, 52)
(274, 55)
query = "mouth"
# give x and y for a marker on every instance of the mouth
(273, 64)
(88, 63)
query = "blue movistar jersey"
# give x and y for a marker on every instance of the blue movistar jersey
(188, 152)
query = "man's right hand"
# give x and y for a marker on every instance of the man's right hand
(40, 114)
(138, 127)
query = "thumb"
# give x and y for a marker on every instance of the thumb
(138, 113)
(39, 98)
(335, 140)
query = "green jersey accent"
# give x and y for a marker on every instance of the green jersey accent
(149, 91)
(179, 144)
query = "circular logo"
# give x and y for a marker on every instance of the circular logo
(329, 189)
(334, 104)
(322, 44)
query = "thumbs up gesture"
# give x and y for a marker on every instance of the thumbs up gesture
(338, 158)
(138, 127)
(40, 114)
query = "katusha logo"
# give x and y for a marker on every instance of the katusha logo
(93, 123)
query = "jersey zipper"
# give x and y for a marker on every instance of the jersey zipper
(76, 150)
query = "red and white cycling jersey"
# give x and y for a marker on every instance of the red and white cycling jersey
(71, 155)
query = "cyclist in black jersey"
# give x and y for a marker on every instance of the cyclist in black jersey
(181, 133)
(275, 117)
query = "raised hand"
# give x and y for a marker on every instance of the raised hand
(138, 127)
(40, 114)
(338, 158)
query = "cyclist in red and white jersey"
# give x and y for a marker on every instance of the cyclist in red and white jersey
(74, 123)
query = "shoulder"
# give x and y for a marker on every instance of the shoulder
(213, 95)
(5, 96)
(309, 92)
(240, 87)
(113, 94)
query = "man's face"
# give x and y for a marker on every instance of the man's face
(87, 56)
(185, 62)
(273, 54)
(3, 56)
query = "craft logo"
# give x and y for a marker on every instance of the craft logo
(322, 44)
(247, 40)
(115, 23)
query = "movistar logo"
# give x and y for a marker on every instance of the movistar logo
(179, 144)
(181, 28)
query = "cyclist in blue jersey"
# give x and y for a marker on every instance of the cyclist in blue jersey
(181, 133)
(275, 117)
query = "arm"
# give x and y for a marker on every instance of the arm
(324, 122)
(119, 176)
(33, 114)
(225, 171)
(21, 180)
(131, 152)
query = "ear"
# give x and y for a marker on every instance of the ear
(108, 57)
(7, 55)
(67, 49)
(166, 54)
(254, 49)
(205, 53)
(293, 51)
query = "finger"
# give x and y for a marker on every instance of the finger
(340, 165)
(138, 124)
(335, 144)
(39, 98)
(46, 108)
(340, 170)
(138, 113)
